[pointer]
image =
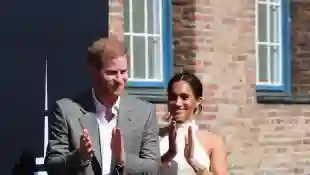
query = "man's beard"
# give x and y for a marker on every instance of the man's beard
(115, 89)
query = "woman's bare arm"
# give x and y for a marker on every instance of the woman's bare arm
(219, 158)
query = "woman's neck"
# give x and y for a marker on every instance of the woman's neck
(186, 123)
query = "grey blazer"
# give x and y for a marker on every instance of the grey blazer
(136, 120)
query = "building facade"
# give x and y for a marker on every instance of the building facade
(253, 59)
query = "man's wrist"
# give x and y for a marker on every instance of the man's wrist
(119, 167)
(120, 161)
(81, 159)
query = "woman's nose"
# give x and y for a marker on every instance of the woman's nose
(178, 102)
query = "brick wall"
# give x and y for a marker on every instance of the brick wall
(301, 45)
(116, 19)
(215, 39)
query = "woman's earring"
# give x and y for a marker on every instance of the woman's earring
(200, 107)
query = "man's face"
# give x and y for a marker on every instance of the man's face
(113, 75)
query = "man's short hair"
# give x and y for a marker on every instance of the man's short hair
(105, 48)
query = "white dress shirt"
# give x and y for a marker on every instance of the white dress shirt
(105, 132)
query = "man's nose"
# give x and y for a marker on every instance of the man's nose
(119, 78)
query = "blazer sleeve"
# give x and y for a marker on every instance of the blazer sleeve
(148, 161)
(59, 159)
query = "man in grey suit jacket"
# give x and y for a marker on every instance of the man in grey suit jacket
(82, 135)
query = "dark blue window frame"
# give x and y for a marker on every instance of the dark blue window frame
(286, 49)
(167, 51)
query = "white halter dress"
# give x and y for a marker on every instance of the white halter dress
(179, 166)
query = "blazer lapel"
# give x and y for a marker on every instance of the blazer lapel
(124, 117)
(89, 121)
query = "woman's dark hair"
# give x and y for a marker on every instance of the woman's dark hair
(192, 80)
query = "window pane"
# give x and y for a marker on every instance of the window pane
(127, 43)
(138, 16)
(274, 64)
(139, 56)
(126, 15)
(154, 58)
(262, 22)
(274, 23)
(144, 66)
(153, 16)
(262, 64)
(150, 15)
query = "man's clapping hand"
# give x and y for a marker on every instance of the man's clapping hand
(117, 146)
(85, 149)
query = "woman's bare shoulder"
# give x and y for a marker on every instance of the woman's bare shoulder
(209, 139)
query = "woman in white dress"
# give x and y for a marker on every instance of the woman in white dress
(184, 150)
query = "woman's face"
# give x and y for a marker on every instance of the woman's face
(181, 102)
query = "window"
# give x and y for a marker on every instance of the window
(148, 37)
(273, 46)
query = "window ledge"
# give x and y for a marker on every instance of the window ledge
(276, 98)
(153, 95)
